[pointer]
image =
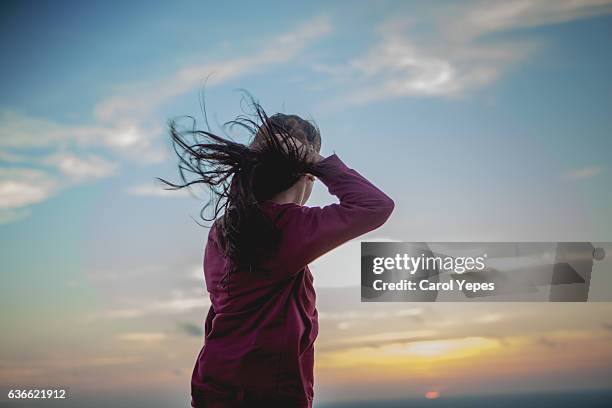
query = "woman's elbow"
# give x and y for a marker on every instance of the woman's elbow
(387, 207)
(381, 211)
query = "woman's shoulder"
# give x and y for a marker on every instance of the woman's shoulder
(277, 210)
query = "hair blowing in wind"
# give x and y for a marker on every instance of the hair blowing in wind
(241, 176)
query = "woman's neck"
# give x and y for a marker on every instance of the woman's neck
(294, 194)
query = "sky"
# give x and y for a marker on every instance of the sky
(484, 121)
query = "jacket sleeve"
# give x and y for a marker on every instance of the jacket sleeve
(309, 232)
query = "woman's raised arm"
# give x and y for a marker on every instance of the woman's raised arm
(309, 232)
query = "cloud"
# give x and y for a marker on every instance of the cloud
(488, 318)
(583, 173)
(142, 337)
(82, 168)
(10, 215)
(458, 54)
(345, 325)
(369, 315)
(165, 291)
(486, 17)
(410, 348)
(191, 329)
(23, 186)
(161, 307)
(149, 96)
(547, 342)
(20, 131)
(8, 157)
(378, 339)
(106, 361)
(20, 187)
(156, 190)
(121, 118)
(399, 67)
(126, 123)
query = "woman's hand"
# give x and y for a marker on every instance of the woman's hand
(311, 154)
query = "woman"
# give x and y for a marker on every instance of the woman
(262, 324)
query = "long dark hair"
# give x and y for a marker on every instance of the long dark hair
(241, 177)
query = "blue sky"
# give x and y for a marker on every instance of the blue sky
(484, 121)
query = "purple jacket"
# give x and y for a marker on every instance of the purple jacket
(260, 331)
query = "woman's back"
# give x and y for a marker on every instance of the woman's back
(261, 327)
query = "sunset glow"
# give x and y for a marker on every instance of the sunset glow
(432, 395)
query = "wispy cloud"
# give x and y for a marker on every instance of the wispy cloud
(20, 187)
(458, 55)
(142, 337)
(583, 173)
(160, 307)
(125, 124)
(487, 17)
(547, 342)
(13, 215)
(148, 96)
(81, 168)
(23, 186)
(8, 157)
(379, 339)
(21, 131)
(191, 329)
(156, 190)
